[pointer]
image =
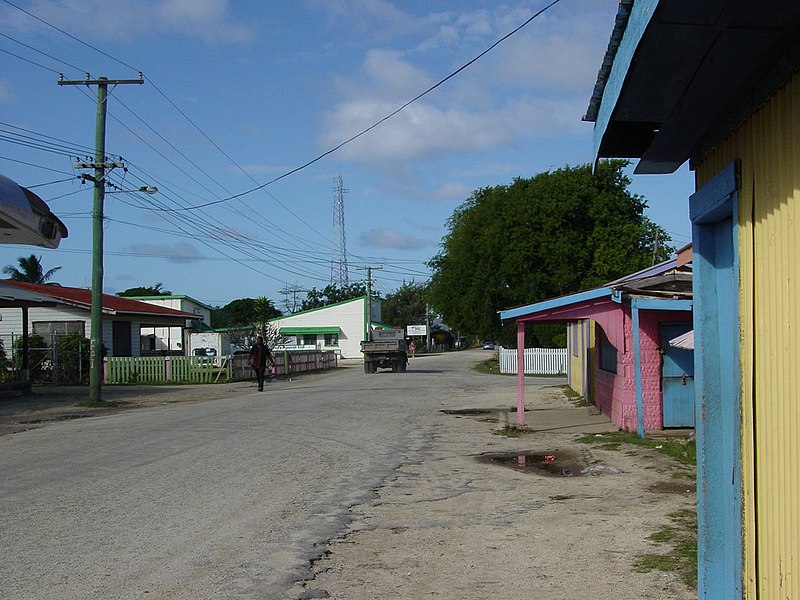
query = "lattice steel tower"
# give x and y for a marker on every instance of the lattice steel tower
(339, 276)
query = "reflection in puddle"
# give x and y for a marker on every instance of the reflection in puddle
(558, 464)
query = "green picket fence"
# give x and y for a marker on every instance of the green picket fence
(158, 369)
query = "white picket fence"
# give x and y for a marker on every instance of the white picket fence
(538, 361)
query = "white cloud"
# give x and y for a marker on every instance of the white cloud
(387, 237)
(535, 85)
(376, 20)
(420, 131)
(210, 20)
(453, 191)
(6, 91)
(180, 252)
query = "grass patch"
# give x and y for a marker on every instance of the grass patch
(681, 451)
(575, 398)
(512, 431)
(681, 536)
(491, 366)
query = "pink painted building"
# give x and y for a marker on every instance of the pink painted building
(633, 375)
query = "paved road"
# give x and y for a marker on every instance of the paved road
(224, 498)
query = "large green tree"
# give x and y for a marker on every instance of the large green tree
(152, 290)
(30, 270)
(244, 312)
(556, 233)
(331, 294)
(406, 306)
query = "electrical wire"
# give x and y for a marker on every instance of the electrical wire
(50, 56)
(29, 164)
(69, 35)
(380, 121)
(28, 60)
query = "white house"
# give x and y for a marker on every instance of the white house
(340, 327)
(123, 319)
(175, 339)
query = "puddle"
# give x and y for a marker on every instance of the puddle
(53, 419)
(473, 412)
(556, 463)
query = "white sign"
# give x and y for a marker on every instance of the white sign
(417, 330)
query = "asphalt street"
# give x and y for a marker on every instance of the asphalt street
(229, 498)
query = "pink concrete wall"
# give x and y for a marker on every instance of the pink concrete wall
(615, 393)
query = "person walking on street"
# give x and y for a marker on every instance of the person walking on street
(412, 347)
(259, 355)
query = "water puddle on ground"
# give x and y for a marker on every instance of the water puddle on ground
(473, 412)
(558, 463)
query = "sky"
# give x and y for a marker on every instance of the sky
(241, 122)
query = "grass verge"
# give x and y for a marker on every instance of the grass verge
(491, 366)
(681, 535)
(682, 451)
(682, 557)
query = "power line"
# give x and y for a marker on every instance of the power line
(50, 56)
(69, 35)
(28, 60)
(29, 164)
(380, 121)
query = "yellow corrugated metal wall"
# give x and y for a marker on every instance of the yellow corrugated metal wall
(581, 342)
(768, 146)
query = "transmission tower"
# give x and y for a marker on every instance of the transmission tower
(339, 276)
(292, 290)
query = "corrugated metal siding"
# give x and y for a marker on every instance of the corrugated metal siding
(768, 146)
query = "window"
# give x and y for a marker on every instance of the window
(48, 329)
(608, 353)
(331, 339)
(309, 339)
(573, 327)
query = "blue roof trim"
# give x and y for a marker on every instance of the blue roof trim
(640, 17)
(524, 311)
(661, 304)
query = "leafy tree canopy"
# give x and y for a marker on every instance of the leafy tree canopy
(406, 306)
(30, 270)
(243, 312)
(332, 294)
(556, 233)
(154, 290)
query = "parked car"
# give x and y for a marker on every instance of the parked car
(488, 345)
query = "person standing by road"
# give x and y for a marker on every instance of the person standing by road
(259, 355)
(412, 347)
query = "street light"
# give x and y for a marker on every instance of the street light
(147, 189)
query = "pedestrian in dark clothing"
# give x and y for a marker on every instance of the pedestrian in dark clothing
(259, 355)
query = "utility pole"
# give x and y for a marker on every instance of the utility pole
(369, 271)
(655, 249)
(100, 165)
(428, 326)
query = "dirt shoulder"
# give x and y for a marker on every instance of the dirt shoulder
(49, 404)
(454, 523)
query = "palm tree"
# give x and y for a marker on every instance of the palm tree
(30, 270)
